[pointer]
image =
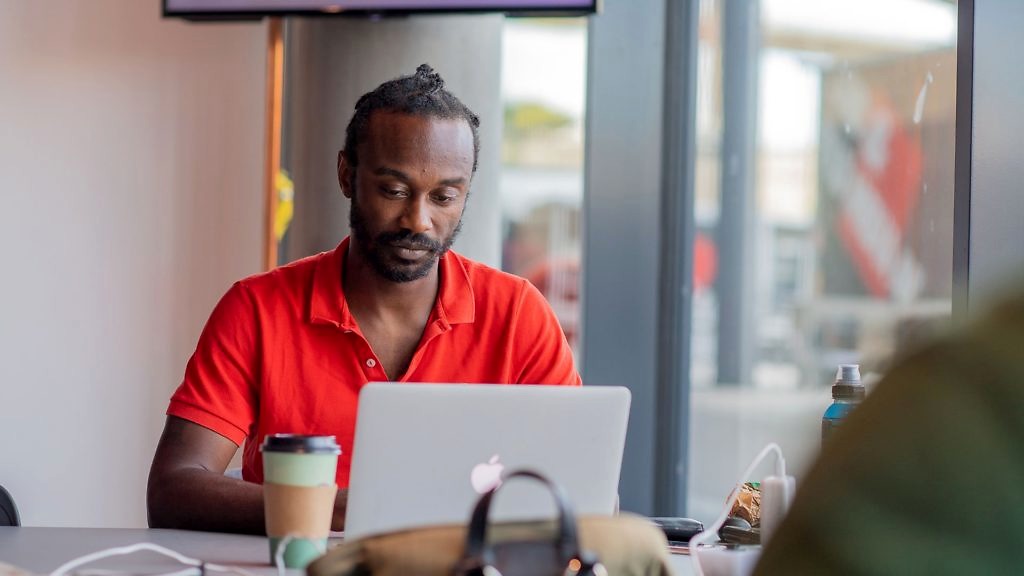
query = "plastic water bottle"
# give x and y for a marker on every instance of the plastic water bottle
(847, 393)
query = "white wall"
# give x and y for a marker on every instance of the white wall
(131, 171)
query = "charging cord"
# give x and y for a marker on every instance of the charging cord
(195, 567)
(279, 553)
(711, 532)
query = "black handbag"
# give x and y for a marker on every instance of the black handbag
(558, 556)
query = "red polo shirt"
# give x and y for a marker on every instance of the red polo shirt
(281, 352)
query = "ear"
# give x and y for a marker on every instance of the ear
(346, 175)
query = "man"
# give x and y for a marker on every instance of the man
(927, 475)
(288, 350)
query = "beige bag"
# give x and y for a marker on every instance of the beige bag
(623, 545)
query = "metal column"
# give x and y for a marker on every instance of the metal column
(638, 233)
(737, 220)
(676, 275)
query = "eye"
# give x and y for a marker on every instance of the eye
(394, 192)
(445, 198)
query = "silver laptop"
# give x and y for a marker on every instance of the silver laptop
(423, 453)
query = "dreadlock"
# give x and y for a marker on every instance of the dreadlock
(421, 94)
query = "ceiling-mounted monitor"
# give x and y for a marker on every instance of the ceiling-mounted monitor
(229, 9)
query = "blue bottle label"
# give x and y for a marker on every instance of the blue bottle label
(833, 418)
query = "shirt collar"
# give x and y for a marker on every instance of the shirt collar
(327, 304)
(455, 304)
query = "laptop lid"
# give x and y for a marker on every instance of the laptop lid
(423, 453)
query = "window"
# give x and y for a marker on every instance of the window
(542, 159)
(824, 214)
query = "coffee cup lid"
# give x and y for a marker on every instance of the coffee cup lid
(300, 444)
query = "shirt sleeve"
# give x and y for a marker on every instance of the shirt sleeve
(218, 391)
(542, 354)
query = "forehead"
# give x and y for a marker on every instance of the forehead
(396, 140)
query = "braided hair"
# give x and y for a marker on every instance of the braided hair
(421, 94)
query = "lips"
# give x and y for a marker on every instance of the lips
(411, 246)
(410, 251)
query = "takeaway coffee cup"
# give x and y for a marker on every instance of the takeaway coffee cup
(298, 494)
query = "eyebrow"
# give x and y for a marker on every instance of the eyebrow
(385, 171)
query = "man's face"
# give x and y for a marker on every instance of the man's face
(408, 192)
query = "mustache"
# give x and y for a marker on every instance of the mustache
(407, 239)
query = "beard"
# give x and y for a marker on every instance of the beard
(375, 248)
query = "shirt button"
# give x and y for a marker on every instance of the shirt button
(370, 363)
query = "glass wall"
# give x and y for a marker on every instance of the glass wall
(824, 213)
(542, 158)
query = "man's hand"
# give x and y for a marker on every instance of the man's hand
(188, 489)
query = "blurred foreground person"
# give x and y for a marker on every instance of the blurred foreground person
(927, 476)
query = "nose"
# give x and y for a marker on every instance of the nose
(417, 217)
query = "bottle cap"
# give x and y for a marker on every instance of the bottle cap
(848, 373)
(848, 384)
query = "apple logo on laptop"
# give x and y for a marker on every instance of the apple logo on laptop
(486, 476)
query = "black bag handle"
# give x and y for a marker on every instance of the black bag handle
(479, 558)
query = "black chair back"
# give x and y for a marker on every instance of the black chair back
(8, 511)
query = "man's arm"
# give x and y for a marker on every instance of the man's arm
(188, 489)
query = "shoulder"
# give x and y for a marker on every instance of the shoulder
(510, 300)
(490, 283)
(280, 293)
(293, 277)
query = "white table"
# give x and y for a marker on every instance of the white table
(41, 550)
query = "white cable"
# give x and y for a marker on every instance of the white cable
(82, 560)
(185, 572)
(195, 566)
(707, 534)
(279, 553)
(199, 570)
(229, 569)
(99, 572)
(106, 572)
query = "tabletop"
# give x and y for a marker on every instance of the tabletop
(41, 550)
